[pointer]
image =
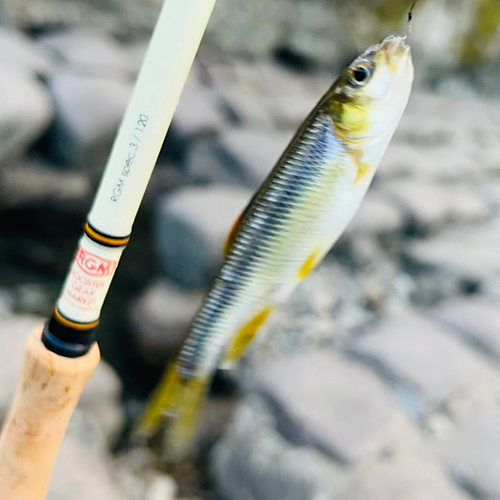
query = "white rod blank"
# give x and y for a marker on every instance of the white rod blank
(164, 72)
(165, 69)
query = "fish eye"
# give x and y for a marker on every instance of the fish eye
(359, 75)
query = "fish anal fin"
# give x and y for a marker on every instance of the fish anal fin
(244, 337)
(178, 400)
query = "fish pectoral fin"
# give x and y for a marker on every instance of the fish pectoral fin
(232, 234)
(312, 261)
(363, 167)
(178, 399)
(240, 342)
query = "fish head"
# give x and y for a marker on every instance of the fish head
(367, 100)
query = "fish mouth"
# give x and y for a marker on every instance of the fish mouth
(396, 51)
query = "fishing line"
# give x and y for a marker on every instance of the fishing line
(410, 15)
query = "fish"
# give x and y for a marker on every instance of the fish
(290, 224)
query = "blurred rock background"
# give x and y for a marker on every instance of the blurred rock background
(380, 378)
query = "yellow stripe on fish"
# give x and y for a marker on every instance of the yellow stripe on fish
(295, 217)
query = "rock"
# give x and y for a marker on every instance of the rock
(476, 318)
(473, 452)
(255, 152)
(197, 111)
(411, 350)
(377, 215)
(161, 488)
(19, 52)
(89, 110)
(161, 318)
(334, 405)
(14, 331)
(89, 53)
(403, 477)
(79, 469)
(191, 227)
(245, 105)
(6, 302)
(253, 460)
(208, 163)
(443, 162)
(433, 205)
(33, 182)
(25, 112)
(464, 254)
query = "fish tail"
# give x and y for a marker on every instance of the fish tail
(178, 398)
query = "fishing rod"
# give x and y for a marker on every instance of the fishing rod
(61, 356)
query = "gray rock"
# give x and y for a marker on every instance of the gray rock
(31, 181)
(463, 254)
(198, 111)
(443, 162)
(403, 477)
(253, 461)
(161, 317)
(89, 110)
(256, 152)
(25, 112)
(421, 356)
(18, 51)
(191, 228)
(89, 53)
(82, 471)
(377, 215)
(246, 105)
(14, 331)
(477, 318)
(473, 454)
(334, 405)
(432, 205)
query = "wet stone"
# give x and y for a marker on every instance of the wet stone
(336, 406)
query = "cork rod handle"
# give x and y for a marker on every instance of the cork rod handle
(46, 396)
